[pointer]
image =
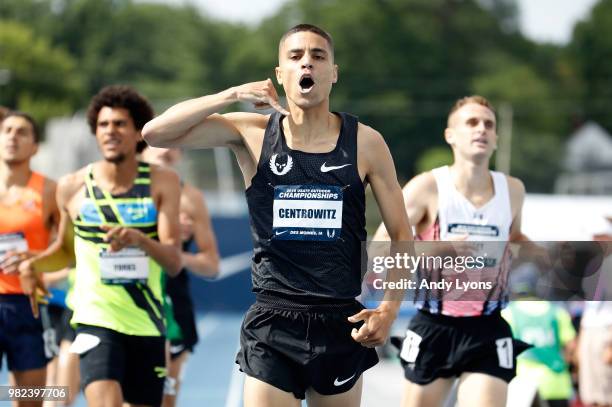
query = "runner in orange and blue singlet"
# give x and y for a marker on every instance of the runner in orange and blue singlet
(29, 214)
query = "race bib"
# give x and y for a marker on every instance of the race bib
(487, 236)
(410, 347)
(475, 232)
(307, 212)
(127, 266)
(12, 242)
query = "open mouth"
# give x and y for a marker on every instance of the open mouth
(306, 83)
(111, 143)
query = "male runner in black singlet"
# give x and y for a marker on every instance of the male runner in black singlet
(305, 171)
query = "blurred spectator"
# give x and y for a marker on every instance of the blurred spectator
(595, 343)
(595, 354)
(548, 327)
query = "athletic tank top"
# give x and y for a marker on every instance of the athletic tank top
(122, 290)
(23, 228)
(307, 213)
(456, 217)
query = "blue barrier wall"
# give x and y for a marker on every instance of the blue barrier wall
(234, 292)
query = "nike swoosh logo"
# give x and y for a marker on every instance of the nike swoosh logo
(325, 168)
(177, 348)
(338, 382)
(280, 233)
(136, 214)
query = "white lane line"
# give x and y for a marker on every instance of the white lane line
(234, 264)
(207, 325)
(234, 390)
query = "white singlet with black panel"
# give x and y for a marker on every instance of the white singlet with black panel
(458, 217)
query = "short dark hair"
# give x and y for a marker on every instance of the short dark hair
(121, 96)
(308, 28)
(476, 99)
(28, 118)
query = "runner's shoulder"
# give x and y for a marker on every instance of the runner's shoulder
(49, 187)
(516, 187)
(421, 186)
(192, 198)
(71, 183)
(370, 144)
(164, 176)
(368, 135)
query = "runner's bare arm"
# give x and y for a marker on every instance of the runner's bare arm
(380, 172)
(51, 210)
(196, 123)
(417, 193)
(58, 255)
(383, 179)
(60, 252)
(517, 197)
(206, 261)
(167, 251)
(529, 251)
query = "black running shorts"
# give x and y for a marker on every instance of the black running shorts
(295, 347)
(439, 346)
(66, 331)
(185, 318)
(136, 362)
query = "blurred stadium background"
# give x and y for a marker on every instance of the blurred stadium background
(402, 64)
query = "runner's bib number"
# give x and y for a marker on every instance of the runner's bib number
(493, 248)
(475, 232)
(12, 242)
(307, 212)
(127, 266)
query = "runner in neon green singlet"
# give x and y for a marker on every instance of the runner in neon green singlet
(129, 305)
(119, 220)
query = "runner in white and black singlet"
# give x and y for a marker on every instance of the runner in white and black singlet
(305, 171)
(465, 339)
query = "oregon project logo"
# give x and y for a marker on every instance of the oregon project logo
(281, 168)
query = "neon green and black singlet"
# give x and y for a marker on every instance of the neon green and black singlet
(120, 291)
